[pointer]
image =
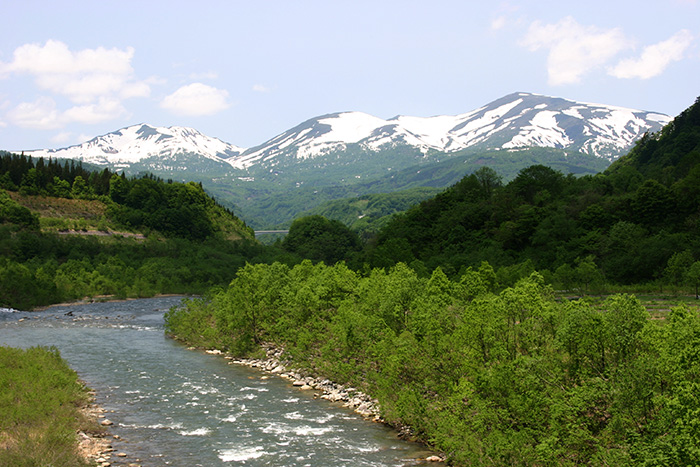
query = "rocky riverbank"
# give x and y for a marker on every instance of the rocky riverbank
(274, 363)
(95, 446)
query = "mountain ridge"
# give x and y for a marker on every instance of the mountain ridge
(514, 121)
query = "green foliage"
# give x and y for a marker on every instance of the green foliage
(39, 269)
(671, 154)
(12, 213)
(368, 213)
(490, 376)
(276, 197)
(40, 398)
(204, 243)
(320, 239)
(142, 203)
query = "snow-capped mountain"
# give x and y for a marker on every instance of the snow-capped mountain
(138, 143)
(515, 121)
(519, 120)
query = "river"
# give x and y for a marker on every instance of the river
(177, 407)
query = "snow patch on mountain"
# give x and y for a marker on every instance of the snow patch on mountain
(133, 144)
(519, 120)
(516, 121)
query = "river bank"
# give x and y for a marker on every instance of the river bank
(96, 446)
(52, 418)
(275, 364)
(171, 406)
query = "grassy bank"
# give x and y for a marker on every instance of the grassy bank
(41, 402)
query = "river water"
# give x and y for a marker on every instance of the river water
(177, 407)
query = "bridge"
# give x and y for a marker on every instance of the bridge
(265, 232)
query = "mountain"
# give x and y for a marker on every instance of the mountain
(518, 120)
(353, 148)
(637, 220)
(154, 148)
(515, 121)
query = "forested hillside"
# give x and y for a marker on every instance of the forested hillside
(267, 202)
(67, 233)
(630, 223)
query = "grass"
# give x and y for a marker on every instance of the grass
(40, 409)
(70, 216)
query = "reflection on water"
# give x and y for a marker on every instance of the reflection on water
(176, 407)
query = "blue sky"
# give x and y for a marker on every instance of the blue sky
(244, 71)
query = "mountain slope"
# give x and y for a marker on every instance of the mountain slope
(514, 121)
(672, 152)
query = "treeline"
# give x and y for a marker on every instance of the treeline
(51, 178)
(487, 374)
(628, 221)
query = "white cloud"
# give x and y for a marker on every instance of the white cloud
(196, 99)
(499, 23)
(43, 113)
(104, 110)
(574, 50)
(83, 76)
(655, 58)
(40, 114)
(95, 80)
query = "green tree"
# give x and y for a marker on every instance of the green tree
(251, 304)
(319, 239)
(118, 188)
(13, 213)
(677, 267)
(586, 273)
(59, 188)
(693, 276)
(81, 189)
(652, 203)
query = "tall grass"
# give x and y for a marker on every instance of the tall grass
(40, 416)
